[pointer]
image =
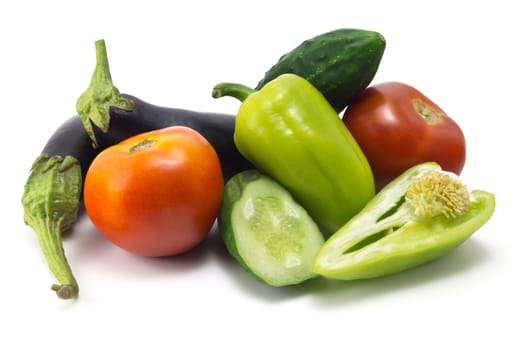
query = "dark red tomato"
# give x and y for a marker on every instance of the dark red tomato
(156, 193)
(398, 127)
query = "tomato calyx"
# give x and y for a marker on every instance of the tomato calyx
(144, 144)
(428, 113)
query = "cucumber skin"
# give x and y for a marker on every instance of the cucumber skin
(340, 63)
(232, 193)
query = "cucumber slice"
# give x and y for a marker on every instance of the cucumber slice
(267, 231)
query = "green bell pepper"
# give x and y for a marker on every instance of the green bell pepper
(289, 131)
(423, 214)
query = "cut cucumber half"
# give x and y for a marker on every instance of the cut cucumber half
(267, 231)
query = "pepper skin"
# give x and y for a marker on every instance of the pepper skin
(423, 214)
(289, 131)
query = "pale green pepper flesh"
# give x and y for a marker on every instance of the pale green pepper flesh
(392, 233)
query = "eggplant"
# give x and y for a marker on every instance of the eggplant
(53, 191)
(71, 138)
(54, 187)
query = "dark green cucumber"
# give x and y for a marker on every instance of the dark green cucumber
(340, 63)
(267, 231)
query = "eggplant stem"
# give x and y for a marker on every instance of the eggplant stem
(64, 291)
(51, 200)
(94, 104)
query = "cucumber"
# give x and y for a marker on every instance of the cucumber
(340, 63)
(267, 231)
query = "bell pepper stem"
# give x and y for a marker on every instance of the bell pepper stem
(239, 91)
(51, 201)
(93, 105)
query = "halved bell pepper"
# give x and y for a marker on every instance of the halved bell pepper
(423, 214)
(289, 131)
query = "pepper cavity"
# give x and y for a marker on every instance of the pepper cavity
(422, 215)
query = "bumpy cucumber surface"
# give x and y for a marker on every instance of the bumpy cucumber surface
(340, 63)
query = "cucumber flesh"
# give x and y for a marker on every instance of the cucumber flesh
(272, 236)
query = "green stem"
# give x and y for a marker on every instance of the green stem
(93, 105)
(240, 92)
(49, 237)
(51, 202)
(102, 74)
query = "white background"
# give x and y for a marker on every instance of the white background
(467, 58)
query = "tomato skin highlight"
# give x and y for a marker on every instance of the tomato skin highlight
(157, 193)
(398, 127)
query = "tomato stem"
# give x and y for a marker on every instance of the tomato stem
(429, 114)
(146, 143)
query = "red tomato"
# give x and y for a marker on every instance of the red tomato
(155, 194)
(397, 127)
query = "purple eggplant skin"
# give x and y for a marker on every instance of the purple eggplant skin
(71, 138)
